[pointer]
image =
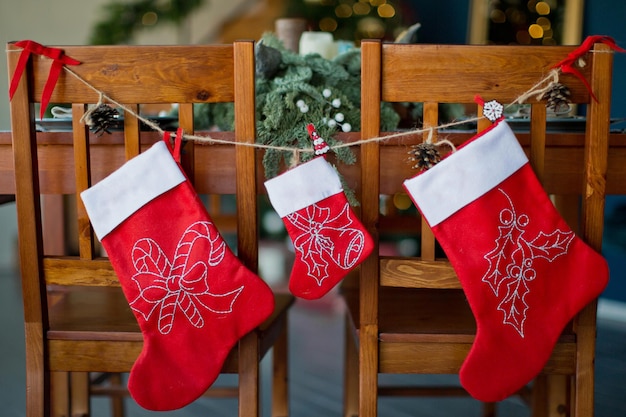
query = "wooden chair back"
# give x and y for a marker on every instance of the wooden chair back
(49, 164)
(408, 331)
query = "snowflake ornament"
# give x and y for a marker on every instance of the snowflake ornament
(492, 110)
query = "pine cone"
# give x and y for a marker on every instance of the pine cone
(101, 119)
(426, 155)
(558, 98)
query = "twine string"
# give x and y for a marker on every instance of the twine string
(87, 115)
(536, 90)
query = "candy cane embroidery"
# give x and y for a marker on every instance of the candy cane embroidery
(180, 285)
(512, 262)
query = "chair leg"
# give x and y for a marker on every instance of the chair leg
(351, 373)
(489, 409)
(368, 371)
(280, 375)
(79, 394)
(539, 396)
(559, 397)
(60, 394)
(249, 375)
(117, 401)
(38, 384)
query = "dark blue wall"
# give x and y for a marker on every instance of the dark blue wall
(608, 17)
(443, 21)
(446, 21)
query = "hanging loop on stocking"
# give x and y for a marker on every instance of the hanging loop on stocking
(175, 150)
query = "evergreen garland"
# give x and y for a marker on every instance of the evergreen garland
(286, 85)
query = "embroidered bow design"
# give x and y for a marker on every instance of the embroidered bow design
(180, 286)
(59, 59)
(316, 242)
(512, 262)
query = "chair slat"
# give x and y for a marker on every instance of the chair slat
(431, 120)
(142, 74)
(592, 216)
(132, 145)
(501, 73)
(82, 172)
(416, 273)
(185, 121)
(247, 236)
(75, 271)
(538, 139)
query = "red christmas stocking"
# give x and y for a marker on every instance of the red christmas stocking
(328, 238)
(191, 296)
(524, 272)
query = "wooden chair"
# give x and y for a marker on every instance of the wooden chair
(76, 318)
(409, 315)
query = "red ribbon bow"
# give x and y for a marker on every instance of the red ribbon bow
(58, 58)
(567, 65)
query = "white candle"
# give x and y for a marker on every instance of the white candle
(318, 42)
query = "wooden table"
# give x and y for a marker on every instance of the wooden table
(563, 155)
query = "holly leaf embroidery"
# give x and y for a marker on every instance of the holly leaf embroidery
(501, 255)
(512, 262)
(550, 246)
(514, 306)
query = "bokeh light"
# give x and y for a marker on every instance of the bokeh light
(545, 23)
(386, 11)
(361, 8)
(371, 27)
(535, 31)
(343, 11)
(149, 19)
(401, 201)
(542, 8)
(525, 22)
(328, 24)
